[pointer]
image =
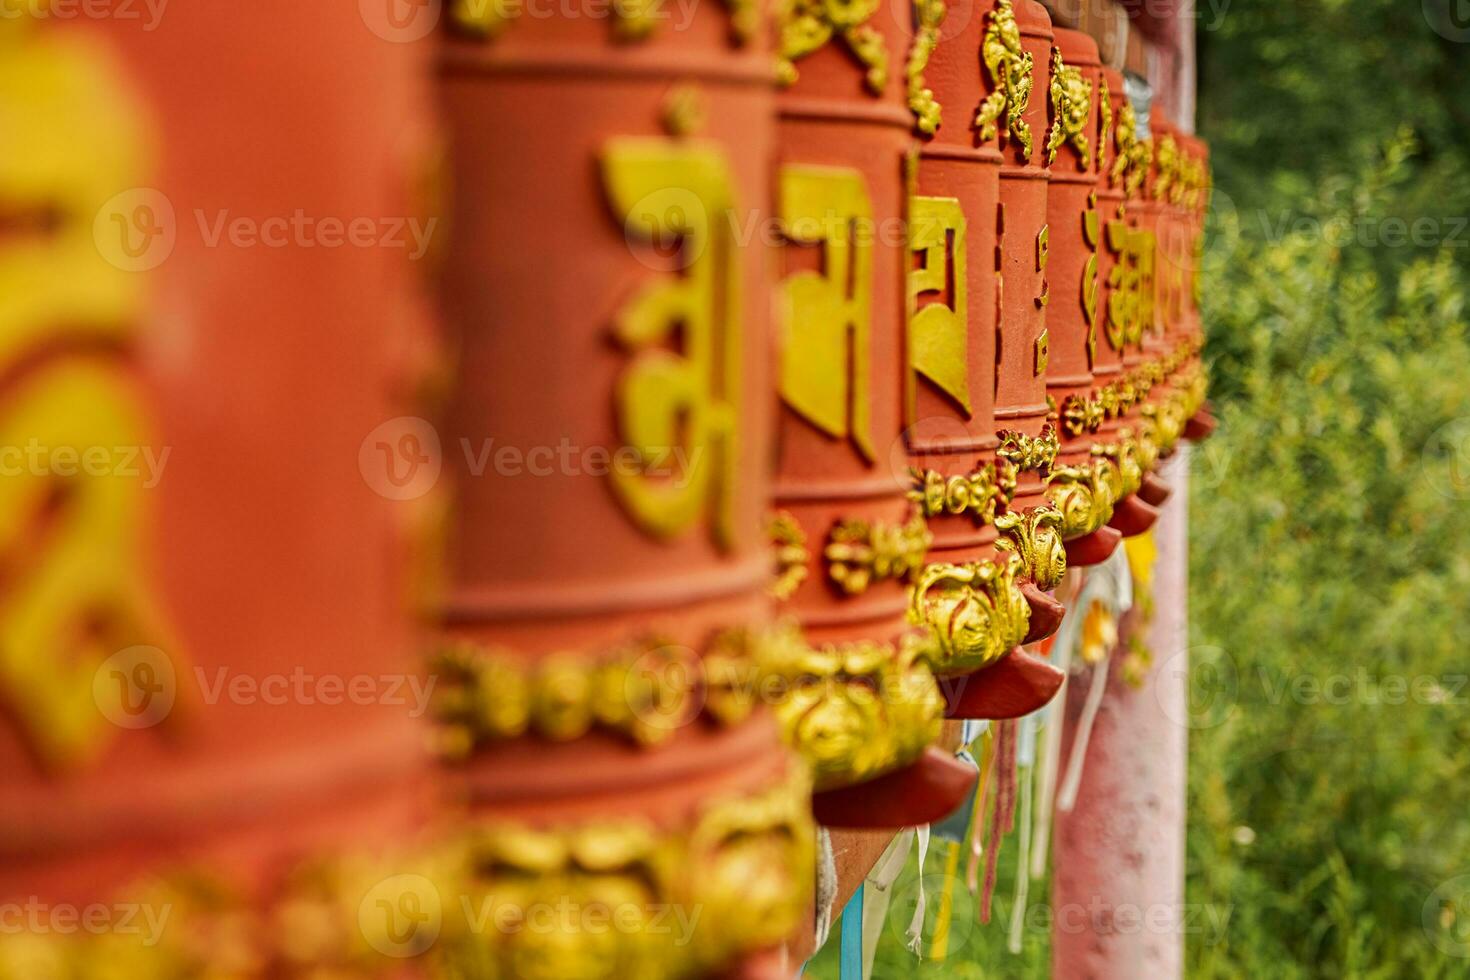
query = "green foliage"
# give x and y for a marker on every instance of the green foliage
(1331, 575)
(1330, 552)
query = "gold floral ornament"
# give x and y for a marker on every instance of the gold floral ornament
(1167, 162)
(853, 711)
(1010, 68)
(1134, 155)
(928, 15)
(976, 612)
(1125, 470)
(1029, 452)
(981, 494)
(792, 555)
(1083, 494)
(1071, 105)
(860, 552)
(633, 20)
(1105, 131)
(644, 692)
(1035, 537)
(810, 24)
(363, 917)
(1082, 413)
(746, 864)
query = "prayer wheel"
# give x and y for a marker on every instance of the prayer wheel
(210, 686)
(607, 434)
(848, 536)
(1084, 485)
(979, 602)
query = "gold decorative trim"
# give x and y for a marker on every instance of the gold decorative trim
(975, 613)
(610, 899)
(1166, 169)
(633, 20)
(860, 552)
(981, 494)
(1082, 413)
(809, 24)
(1010, 68)
(1071, 103)
(644, 692)
(1105, 132)
(792, 556)
(854, 711)
(1035, 537)
(1083, 494)
(1027, 453)
(1125, 473)
(745, 865)
(928, 14)
(1134, 156)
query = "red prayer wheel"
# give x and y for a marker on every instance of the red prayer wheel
(208, 672)
(1118, 434)
(1084, 483)
(607, 435)
(1018, 116)
(848, 537)
(978, 601)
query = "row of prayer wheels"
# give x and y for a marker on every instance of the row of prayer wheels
(732, 412)
(886, 345)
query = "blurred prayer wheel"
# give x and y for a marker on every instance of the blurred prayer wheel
(1117, 435)
(608, 435)
(207, 654)
(849, 538)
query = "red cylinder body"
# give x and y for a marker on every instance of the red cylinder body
(841, 194)
(953, 289)
(240, 617)
(1025, 288)
(1075, 223)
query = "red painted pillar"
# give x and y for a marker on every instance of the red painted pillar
(1118, 885)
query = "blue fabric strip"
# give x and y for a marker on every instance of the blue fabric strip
(851, 961)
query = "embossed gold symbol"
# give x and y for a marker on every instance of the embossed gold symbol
(687, 401)
(826, 317)
(74, 605)
(939, 332)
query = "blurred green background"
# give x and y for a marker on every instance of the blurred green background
(1329, 798)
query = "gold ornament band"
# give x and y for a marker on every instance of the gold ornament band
(854, 711)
